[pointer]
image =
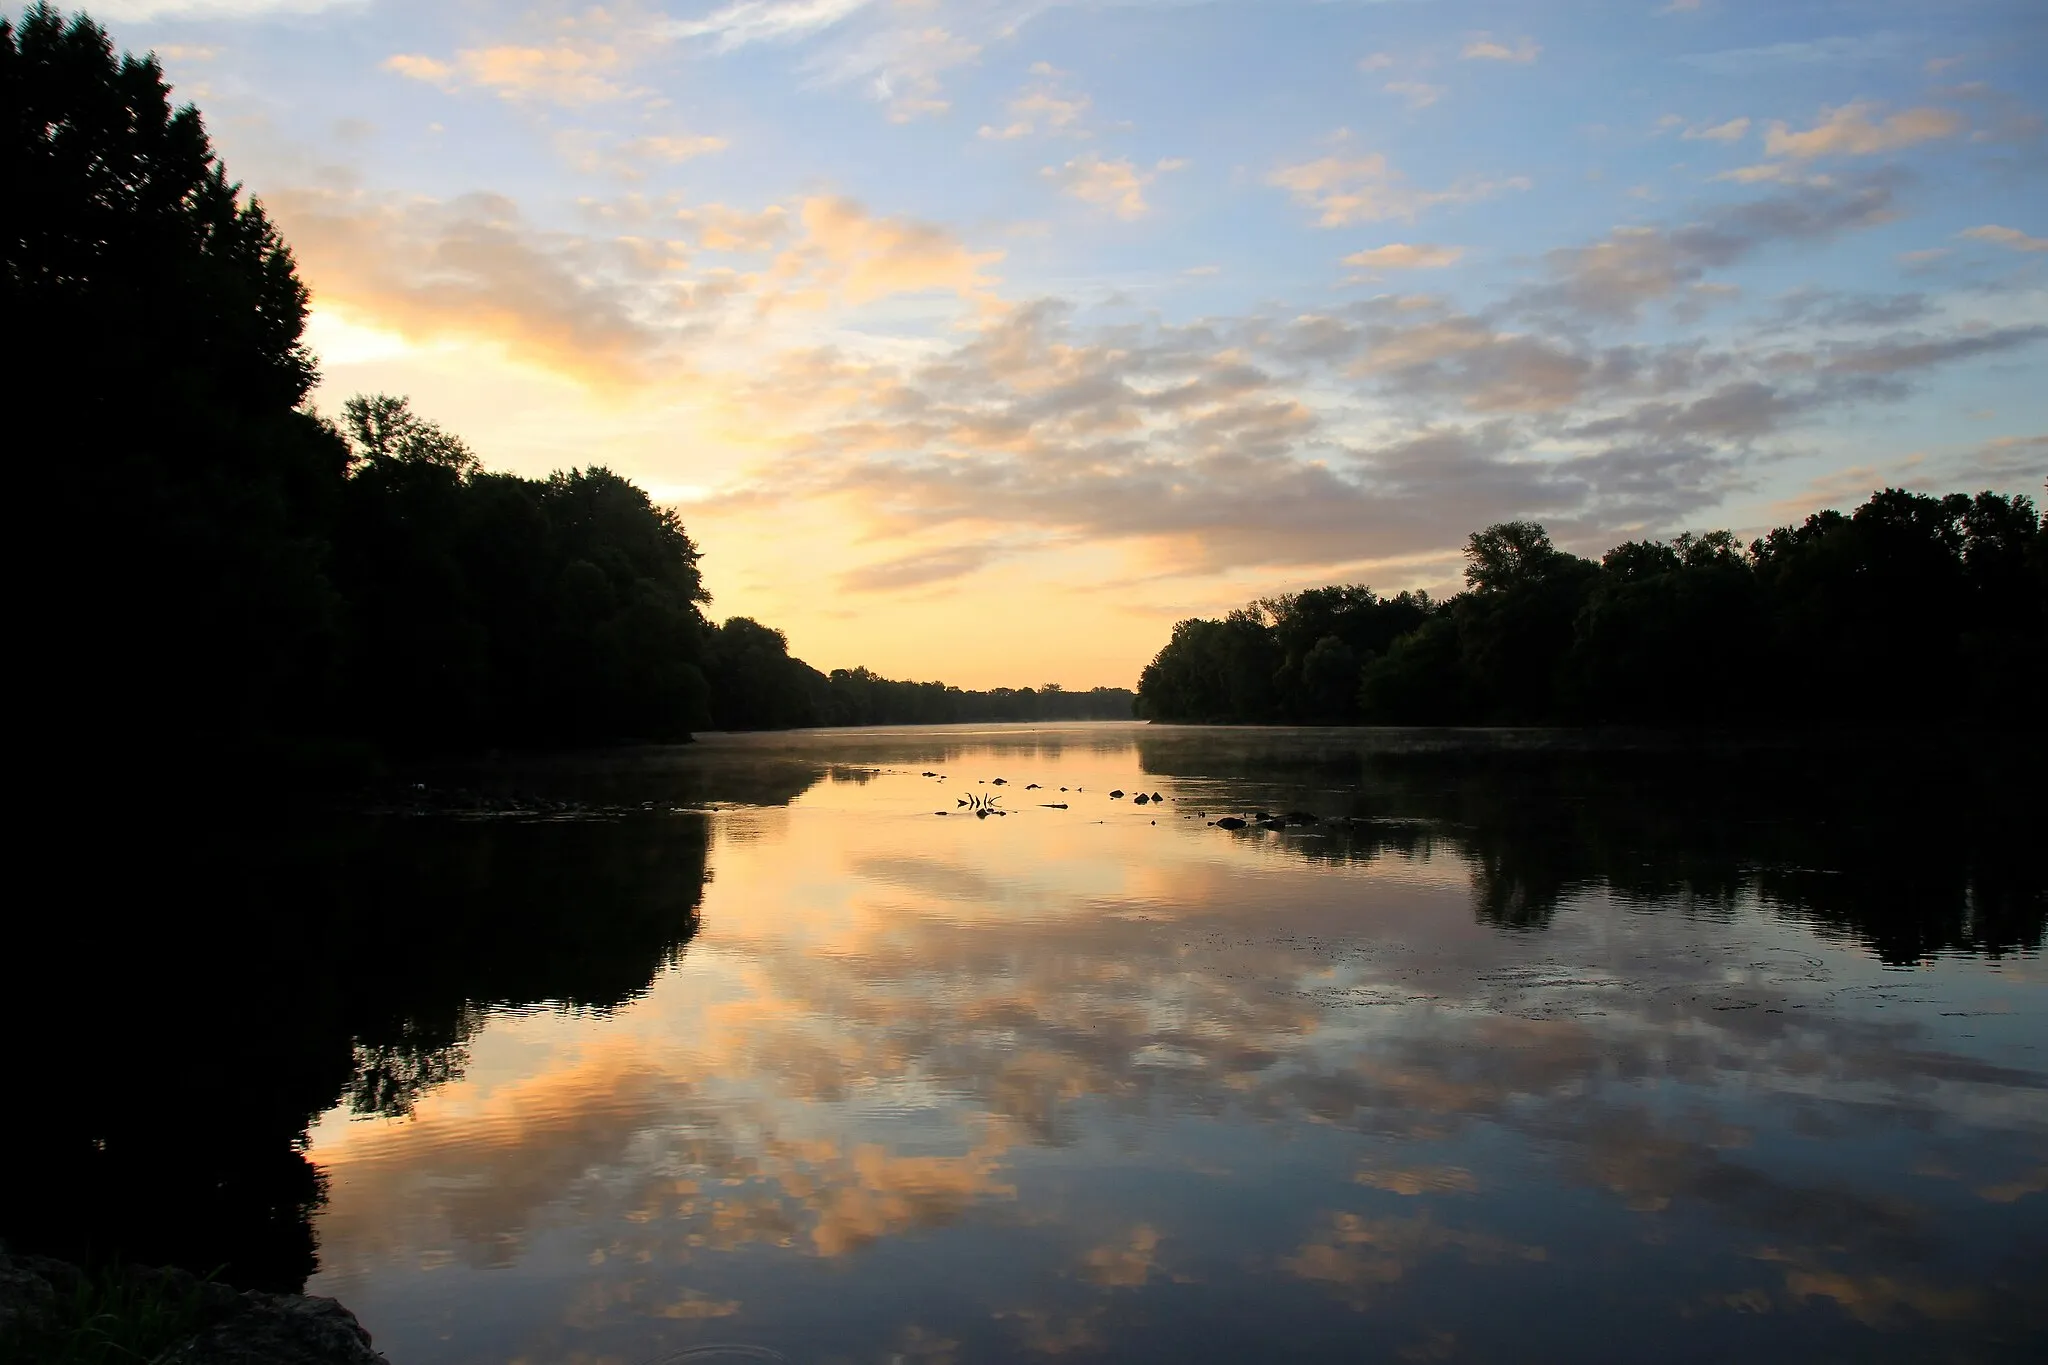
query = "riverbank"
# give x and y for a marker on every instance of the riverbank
(53, 1311)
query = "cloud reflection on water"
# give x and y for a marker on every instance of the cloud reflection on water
(1022, 1087)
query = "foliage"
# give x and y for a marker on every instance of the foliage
(153, 323)
(1290, 658)
(757, 685)
(489, 608)
(1909, 606)
(112, 1315)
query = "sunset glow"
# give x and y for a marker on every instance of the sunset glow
(983, 339)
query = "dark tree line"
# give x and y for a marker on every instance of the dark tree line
(1912, 608)
(211, 568)
(757, 685)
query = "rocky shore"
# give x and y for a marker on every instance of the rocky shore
(53, 1310)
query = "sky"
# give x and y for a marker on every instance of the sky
(984, 339)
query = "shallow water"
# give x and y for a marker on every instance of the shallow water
(1511, 1055)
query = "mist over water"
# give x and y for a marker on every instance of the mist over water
(1487, 1047)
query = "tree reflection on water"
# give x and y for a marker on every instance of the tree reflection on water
(211, 988)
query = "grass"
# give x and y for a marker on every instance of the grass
(113, 1317)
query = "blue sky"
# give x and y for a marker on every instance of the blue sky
(984, 338)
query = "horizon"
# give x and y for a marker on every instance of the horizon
(1135, 312)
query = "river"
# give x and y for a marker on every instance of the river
(926, 1046)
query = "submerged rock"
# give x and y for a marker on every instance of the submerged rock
(1230, 822)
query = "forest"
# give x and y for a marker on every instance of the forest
(1910, 609)
(220, 569)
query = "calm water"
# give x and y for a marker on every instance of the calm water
(1511, 1055)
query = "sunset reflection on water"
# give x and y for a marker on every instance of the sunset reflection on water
(1112, 1083)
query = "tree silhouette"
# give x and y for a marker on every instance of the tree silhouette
(1933, 608)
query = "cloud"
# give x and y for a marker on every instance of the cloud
(207, 9)
(849, 255)
(917, 570)
(1485, 47)
(901, 68)
(1897, 354)
(720, 228)
(1378, 61)
(2005, 236)
(1418, 94)
(1405, 256)
(1846, 50)
(1342, 190)
(1849, 130)
(472, 267)
(1044, 107)
(629, 158)
(1117, 185)
(1731, 131)
(566, 74)
(1178, 441)
(1614, 277)
(766, 21)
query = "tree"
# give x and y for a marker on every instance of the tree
(154, 321)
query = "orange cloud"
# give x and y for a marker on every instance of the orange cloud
(1118, 185)
(2005, 236)
(1405, 256)
(1356, 189)
(850, 254)
(1851, 131)
(569, 74)
(470, 268)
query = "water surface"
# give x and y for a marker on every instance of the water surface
(1511, 1054)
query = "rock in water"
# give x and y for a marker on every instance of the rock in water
(1230, 822)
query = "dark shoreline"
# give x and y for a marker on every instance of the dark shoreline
(54, 1310)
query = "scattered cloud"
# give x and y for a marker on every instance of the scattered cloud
(1115, 184)
(1047, 107)
(1731, 131)
(1405, 256)
(630, 158)
(565, 74)
(1632, 266)
(1418, 94)
(1343, 190)
(849, 255)
(2005, 236)
(1850, 130)
(1485, 47)
(923, 569)
(746, 22)
(720, 228)
(1378, 61)
(902, 67)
